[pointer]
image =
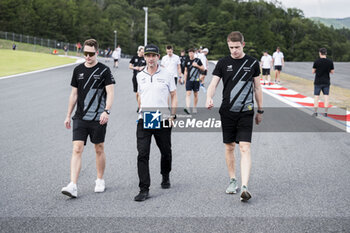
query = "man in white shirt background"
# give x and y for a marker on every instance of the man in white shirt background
(278, 61)
(172, 63)
(266, 64)
(204, 60)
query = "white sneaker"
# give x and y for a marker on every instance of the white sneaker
(100, 186)
(70, 190)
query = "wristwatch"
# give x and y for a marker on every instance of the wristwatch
(107, 111)
(260, 111)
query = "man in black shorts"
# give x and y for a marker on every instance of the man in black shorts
(278, 61)
(193, 68)
(240, 76)
(322, 68)
(92, 92)
(137, 63)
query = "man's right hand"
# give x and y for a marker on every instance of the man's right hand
(67, 122)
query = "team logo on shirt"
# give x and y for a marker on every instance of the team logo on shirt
(151, 120)
(136, 60)
(81, 76)
(229, 68)
(246, 69)
(97, 77)
(188, 63)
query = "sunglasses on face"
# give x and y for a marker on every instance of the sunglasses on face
(91, 54)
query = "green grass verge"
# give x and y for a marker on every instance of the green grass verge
(7, 44)
(16, 62)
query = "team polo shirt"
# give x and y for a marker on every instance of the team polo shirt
(171, 63)
(278, 56)
(137, 61)
(154, 89)
(238, 77)
(91, 83)
(266, 61)
(193, 72)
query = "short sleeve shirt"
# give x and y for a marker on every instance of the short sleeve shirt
(137, 61)
(266, 62)
(193, 72)
(91, 83)
(237, 76)
(323, 66)
(183, 63)
(278, 56)
(154, 89)
(171, 63)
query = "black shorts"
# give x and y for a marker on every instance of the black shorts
(82, 129)
(175, 78)
(203, 72)
(278, 68)
(115, 60)
(134, 83)
(266, 71)
(192, 85)
(322, 87)
(237, 126)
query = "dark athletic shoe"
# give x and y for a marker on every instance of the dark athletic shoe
(142, 196)
(165, 182)
(314, 114)
(186, 111)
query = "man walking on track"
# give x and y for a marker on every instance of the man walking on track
(240, 76)
(278, 61)
(172, 63)
(266, 64)
(154, 85)
(192, 72)
(93, 93)
(322, 68)
(137, 63)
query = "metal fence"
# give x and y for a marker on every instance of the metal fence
(49, 43)
(55, 44)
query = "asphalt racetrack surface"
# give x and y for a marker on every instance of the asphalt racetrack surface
(299, 180)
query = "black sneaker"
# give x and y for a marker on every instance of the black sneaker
(186, 111)
(142, 196)
(314, 114)
(165, 182)
(325, 114)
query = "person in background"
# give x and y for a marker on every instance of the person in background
(137, 63)
(322, 68)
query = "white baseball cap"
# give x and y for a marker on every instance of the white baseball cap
(205, 50)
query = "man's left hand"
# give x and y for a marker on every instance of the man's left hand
(104, 118)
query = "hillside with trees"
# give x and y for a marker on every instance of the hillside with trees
(184, 24)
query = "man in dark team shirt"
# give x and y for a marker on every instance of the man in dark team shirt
(183, 58)
(92, 92)
(137, 63)
(321, 68)
(193, 67)
(240, 76)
